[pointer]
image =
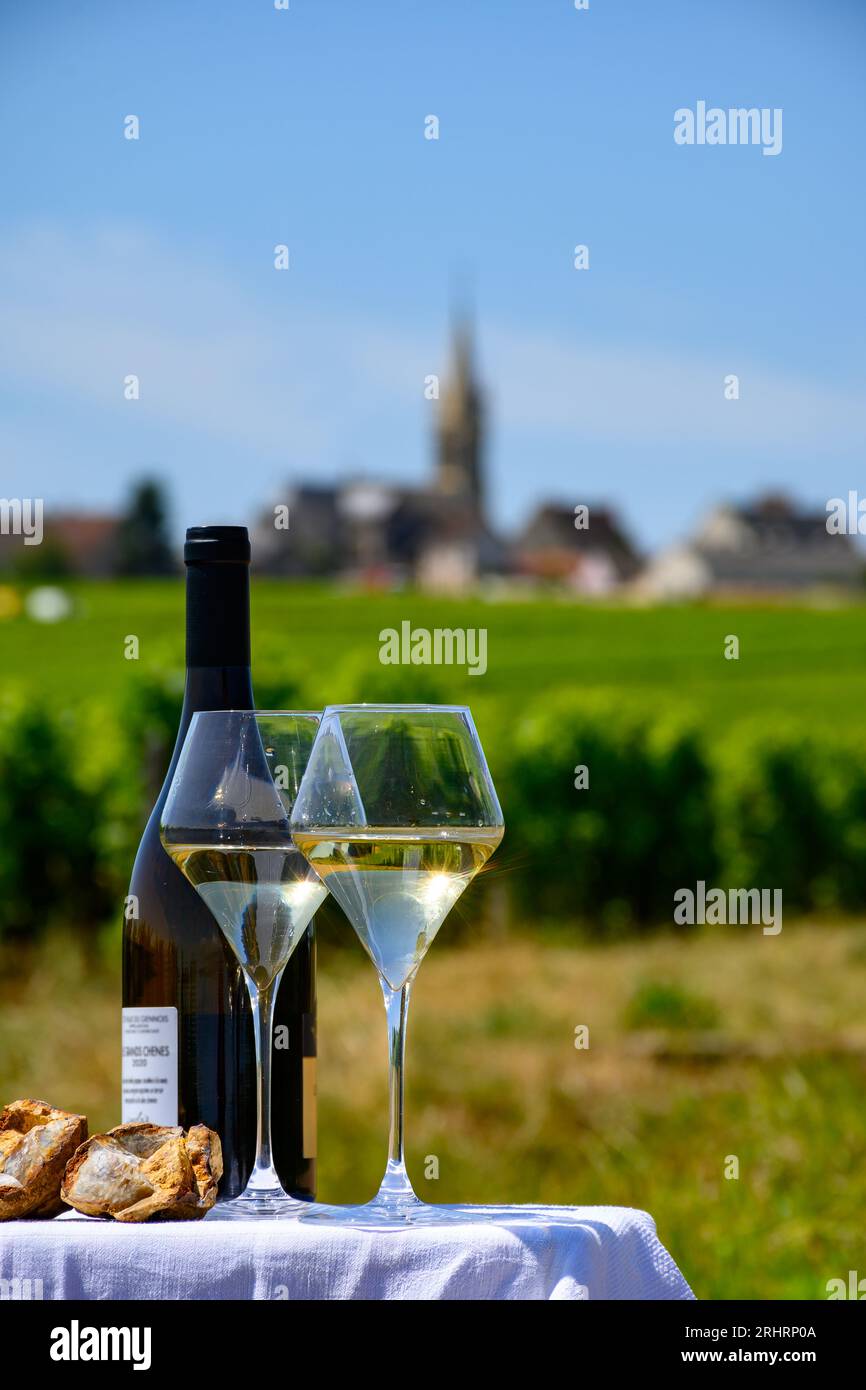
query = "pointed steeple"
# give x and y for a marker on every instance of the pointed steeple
(459, 464)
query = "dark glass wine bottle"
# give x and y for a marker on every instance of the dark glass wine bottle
(188, 1051)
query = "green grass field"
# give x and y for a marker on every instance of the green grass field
(803, 662)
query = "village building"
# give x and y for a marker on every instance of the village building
(767, 547)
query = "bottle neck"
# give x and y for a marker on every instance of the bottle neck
(217, 645)
(217, 615)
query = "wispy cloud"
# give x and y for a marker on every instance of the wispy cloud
(630, 394)
(252, 365)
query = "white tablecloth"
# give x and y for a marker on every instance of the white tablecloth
(528, 1253)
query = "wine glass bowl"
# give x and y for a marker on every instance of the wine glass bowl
(397, 885)
(396, 813)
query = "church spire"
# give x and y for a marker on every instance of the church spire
(459, 464)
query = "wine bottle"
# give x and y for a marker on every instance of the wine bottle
(188, 1053)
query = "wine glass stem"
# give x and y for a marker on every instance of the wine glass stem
(396, 1180)
(264, 1174)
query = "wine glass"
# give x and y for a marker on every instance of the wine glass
(396, 812)
(226, 826)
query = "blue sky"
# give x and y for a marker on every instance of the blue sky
(306, 127)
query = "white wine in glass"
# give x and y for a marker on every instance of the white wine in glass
(397, 886)
(263, 899)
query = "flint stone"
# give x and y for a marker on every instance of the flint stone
(36, 1143)
(139, 1171)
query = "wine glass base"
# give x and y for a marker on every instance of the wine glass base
(392, 1215)
(267, 1204)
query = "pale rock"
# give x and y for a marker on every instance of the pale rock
(138, 1171)
(36, 1143)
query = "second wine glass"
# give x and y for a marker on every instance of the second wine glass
(397, 813)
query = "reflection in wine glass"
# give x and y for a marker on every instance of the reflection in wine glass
(226, 826)
(397, 813)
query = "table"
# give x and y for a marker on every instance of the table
(562, 1253)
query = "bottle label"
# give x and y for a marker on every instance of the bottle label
(149, 1065)
(309, 1107)
(309, 1088)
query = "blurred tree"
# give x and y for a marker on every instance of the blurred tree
(143, 546)
(49, 560)
(50, 827)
